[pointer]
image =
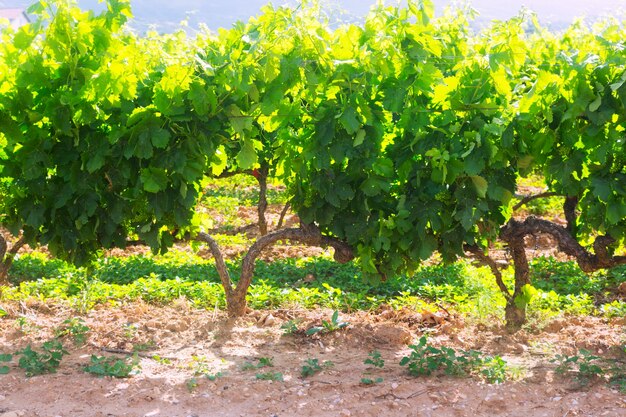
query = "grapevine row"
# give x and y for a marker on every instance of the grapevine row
(399, 137)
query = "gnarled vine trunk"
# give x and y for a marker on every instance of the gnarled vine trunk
(514, 232)
(7, 255)
(305, 234)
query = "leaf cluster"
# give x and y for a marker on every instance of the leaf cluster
(425, 359)
(110, 366)
(41, 362)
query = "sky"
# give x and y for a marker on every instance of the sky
(165, 16)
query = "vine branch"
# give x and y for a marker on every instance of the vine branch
(515, 230)
(485, 259)
(527, 199)
(220, 264)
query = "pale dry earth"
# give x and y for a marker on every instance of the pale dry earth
(192, 339)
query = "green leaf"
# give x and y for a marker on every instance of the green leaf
(359, 138)
(423, 10)
(314, 330)
(595, 105)
(373, 186)
(350, 121)
(154, 179)
(247, 156)
(481, 185)
(199, 98)
(240, 122)
(525, 296)
(160, 138)
(24, 37)
(4, 370)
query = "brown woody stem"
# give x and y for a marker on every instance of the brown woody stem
(529, 198)
(283, 213)
(262, 207)
(516, 231)
(485, 259)
(305, 234)
(7, 256)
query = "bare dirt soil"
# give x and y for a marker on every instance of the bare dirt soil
(190, 341)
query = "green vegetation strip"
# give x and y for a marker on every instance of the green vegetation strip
(560, 287)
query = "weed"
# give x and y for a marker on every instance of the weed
(24, 325)
(585, 365)
(5, 358)
(375, 359)
(329, 326)
(494, 369)
(425, 359)
(289, 327)
(161, 360)
(74, 327)
(192, 384)
(270, 376)
(266, 362)
(370, 381)
(199, 365)
(618, 380)
(45, 362)
(263, 362)
(312, 366)
(248, 366)
(130, 330)
(213, 377)
(110, 366)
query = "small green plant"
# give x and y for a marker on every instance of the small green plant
(289, 327)
(199, 365)
(24, 325)
(618, 380)
(425, 359)
(585, 365)
(270, 376)
(213, 377)
(130, 330)
(110, 366)
(263, 363)
(312, 366)
(161, 360)
(329, 326)
(371, 381)
(266, 362)
(494, 369)
(75, 328)
(45, 362)
(3, 312)
(5, 357)
(375, 359)
(192, 384)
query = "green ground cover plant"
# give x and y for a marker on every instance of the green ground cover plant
(561, 287)
(45, 361)
(111, 366)
(425, 359)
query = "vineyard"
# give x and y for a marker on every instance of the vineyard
(296, 216)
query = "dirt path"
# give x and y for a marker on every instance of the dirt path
(190, 341)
